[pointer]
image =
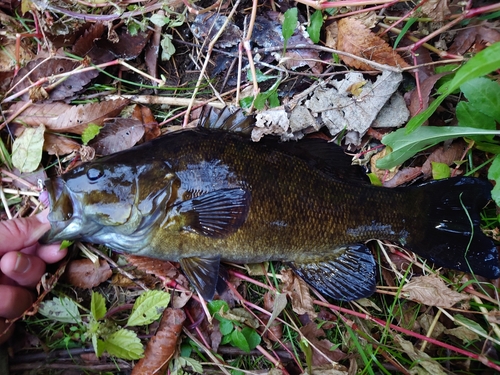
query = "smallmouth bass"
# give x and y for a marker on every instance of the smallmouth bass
(202, 196)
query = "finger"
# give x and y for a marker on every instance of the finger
(24, 269)
(15, 300)
(3, 326)
(51, 253)
(20, 233)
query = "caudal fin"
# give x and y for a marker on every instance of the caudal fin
(453, 236)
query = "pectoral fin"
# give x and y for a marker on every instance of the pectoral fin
(203, 273)
(216, 214)
(350, 275)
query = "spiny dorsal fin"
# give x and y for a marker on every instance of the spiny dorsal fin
(230, 119)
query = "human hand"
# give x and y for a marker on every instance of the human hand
(22, 264)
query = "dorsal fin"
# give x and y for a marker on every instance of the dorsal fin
(230, 119)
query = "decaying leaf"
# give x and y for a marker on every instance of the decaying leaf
(59, 145)
(117, 134)
(83, 273)
(427, 364)
(330, 369)
(42, 68)
(27, 149)
(324, 351)
(444, 154)
(463, 333)
(437, 9)
(161, 347)
(60, 117)
(297, 289)
(357, 39)
(432, 291)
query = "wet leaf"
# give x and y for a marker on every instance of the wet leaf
(162, 346)
(124, 344)
(432, 291)
(148, 307)
(62, 310)
(27, 149)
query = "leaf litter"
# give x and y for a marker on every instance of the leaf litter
(344, 78)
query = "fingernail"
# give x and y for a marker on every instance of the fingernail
(23, 263)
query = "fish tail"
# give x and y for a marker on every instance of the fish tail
(453, 237)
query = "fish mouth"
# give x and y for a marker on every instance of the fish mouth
(65, 214)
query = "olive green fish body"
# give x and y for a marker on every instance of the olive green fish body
(201, 196)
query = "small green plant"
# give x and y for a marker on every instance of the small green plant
(104, 333)
(314, 28)
(232, 327)
(289, 25)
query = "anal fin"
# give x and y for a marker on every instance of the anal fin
(350, 274)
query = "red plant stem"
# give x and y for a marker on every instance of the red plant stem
(250, 280)
(383, 323)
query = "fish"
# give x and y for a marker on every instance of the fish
(210, 194)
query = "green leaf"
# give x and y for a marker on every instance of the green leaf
(252, 337)
(27, 149)
(260, 77)
(191, 362)
(240, 341)
(5, 157)
(97, 306)
(484, 62)
(225, 326)
(468, 116)
(148, 307)
(472, 325)
(494, 174)
(404, 30)
(440, 170)
(484, 95)
(124, 344)
(289, 23)
(216, 305)
(63, 310)
(158, 20)
(404, 146)
(374, 180)
(167, 47)
(90, 132)
(316, 24)
(65, 244)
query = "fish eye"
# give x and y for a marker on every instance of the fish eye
(95, 173)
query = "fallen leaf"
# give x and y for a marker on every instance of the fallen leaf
(330, 369)
(436, 9)
(421, 359)
(297, 289)
(38, 69)
(357, 39)
(432, 291)
(323, 350)
(27, 149)
(116, 135)
(146, 117)
(59, 145)
(60, 117)
(444, 154)
(83, 273)
(162, 346)
(464, 334)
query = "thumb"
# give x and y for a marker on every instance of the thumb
(16, 234)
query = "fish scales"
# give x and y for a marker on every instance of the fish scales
(204, 196)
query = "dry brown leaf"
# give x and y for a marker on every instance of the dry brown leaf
(322, 348)
(41, 68)
(436, 9)
(447, 155)
(297, 289)
(59, 145)
(463, 333)
(432, 291)
(83, 273)
(146, 117)
(355, 38)
(466, 38)
(420, 100)
(118, 134)
(62, 117)
(161, 348)
(403, 176)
